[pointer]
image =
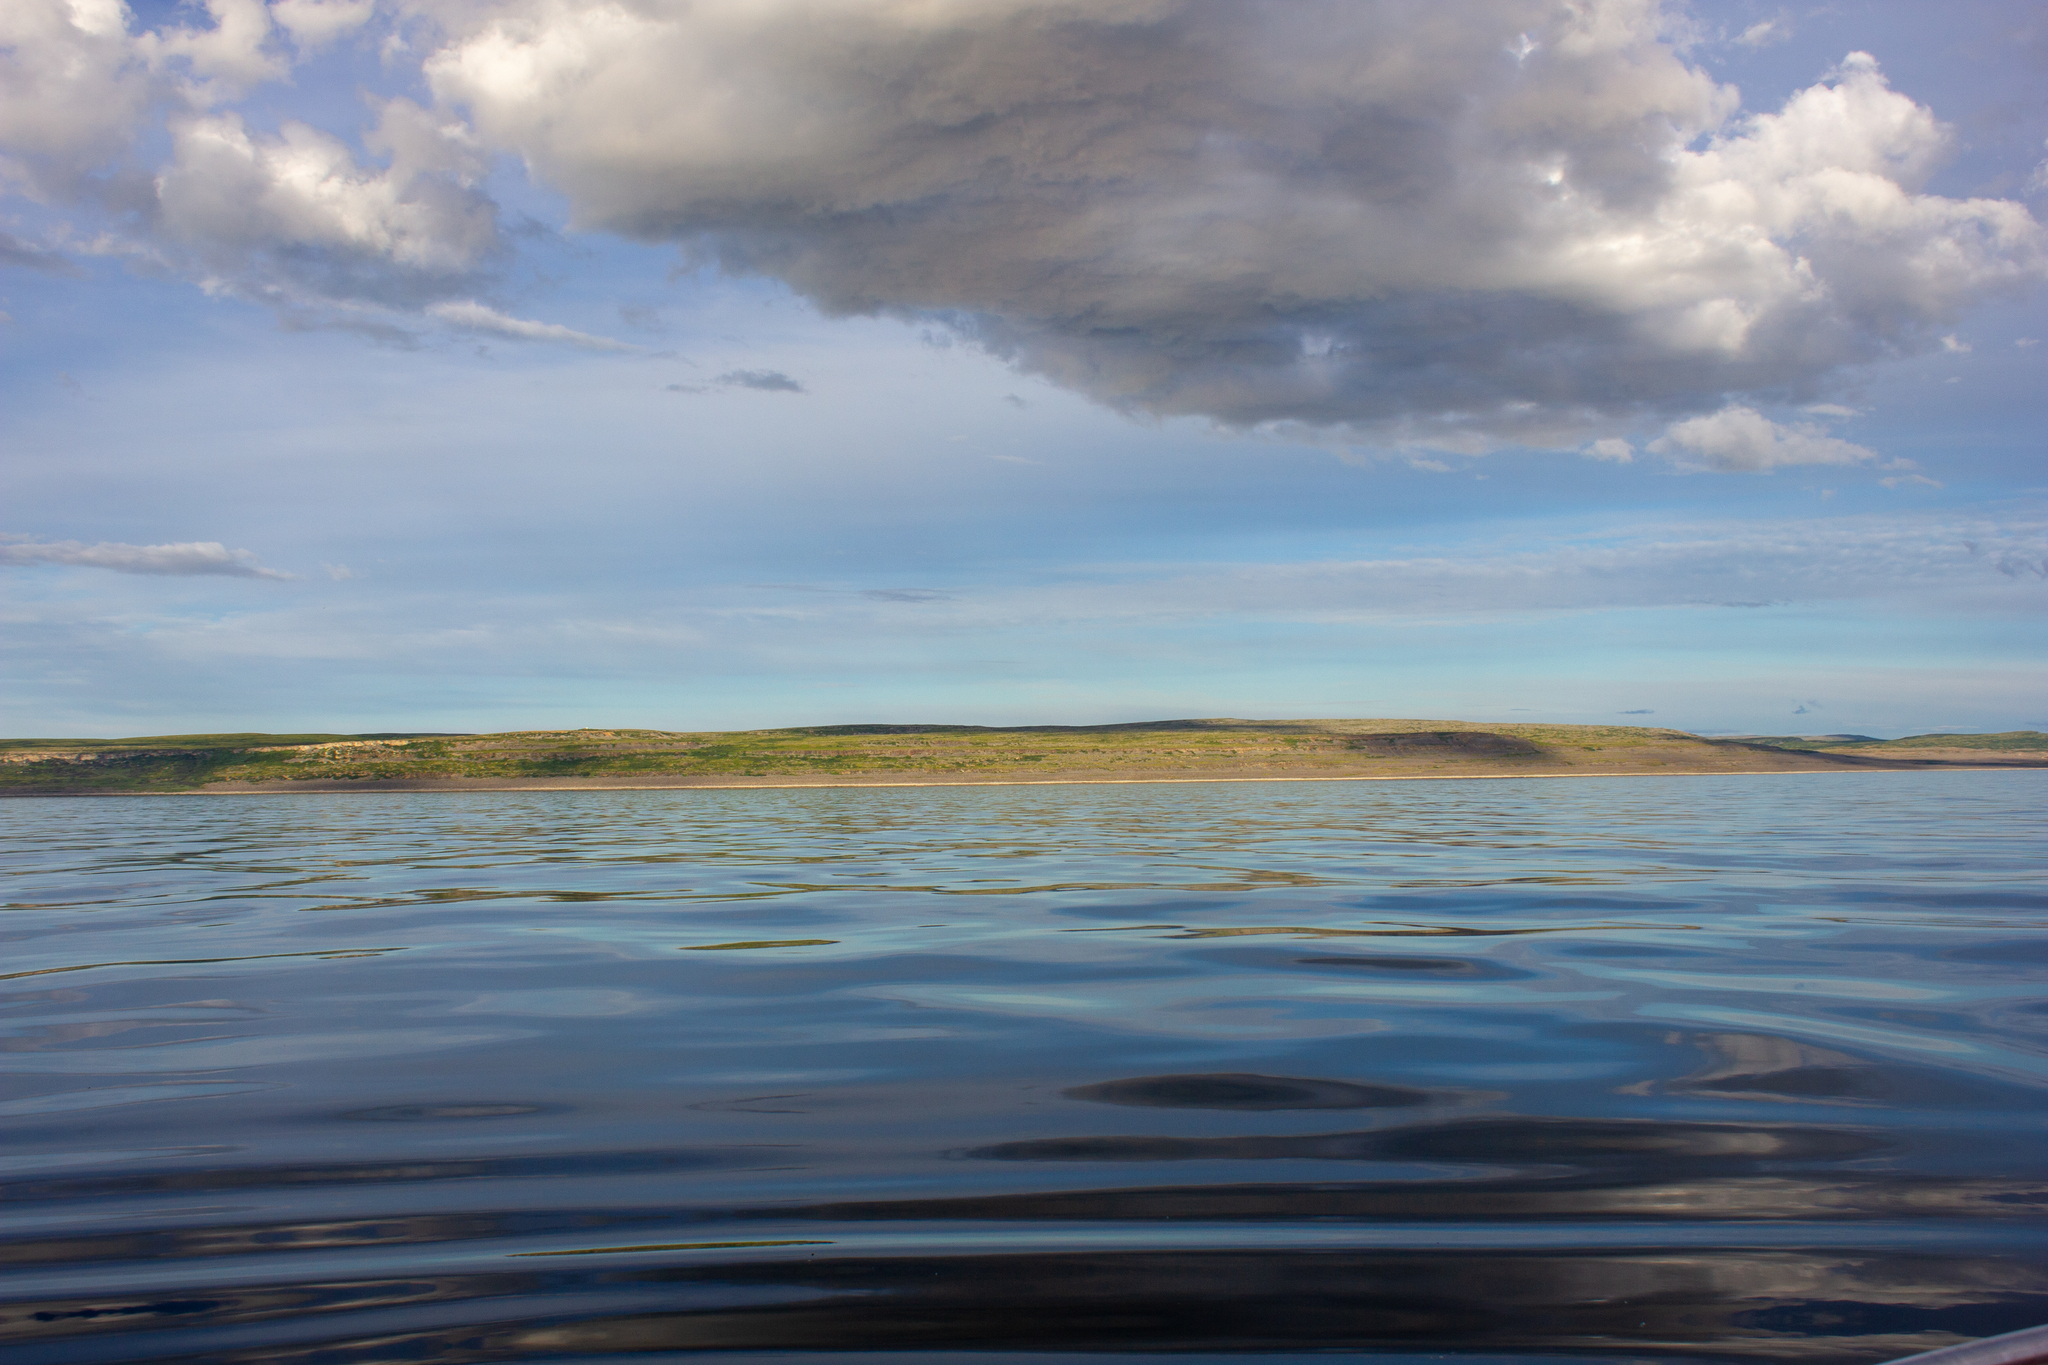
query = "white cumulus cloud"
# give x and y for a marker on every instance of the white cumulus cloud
(292, 217)
(237, 51)
(1741, 439)
(312, 23)
(1369, 217)
(1407, 225)
(72, 91)
(295, 216)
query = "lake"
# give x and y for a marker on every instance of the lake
(1650, 1069)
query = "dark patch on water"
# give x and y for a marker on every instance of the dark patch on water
(2017, 953)
(1597, 950)
(1496, 1141)
(1830, 1308)
(382, 1174)
(1464, 968)
(1239, 1090)
(423, 1113)
(1604, 1195)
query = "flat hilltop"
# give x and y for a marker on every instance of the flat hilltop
(856, 755)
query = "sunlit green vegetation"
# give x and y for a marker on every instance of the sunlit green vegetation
(2011, 740)
(1185, 748)
(2005, 739)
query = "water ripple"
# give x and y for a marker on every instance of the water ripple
(1642, 1069)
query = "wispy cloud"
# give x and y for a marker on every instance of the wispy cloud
(872, 594)
(1916, 563)
(15, 252)
(1766, 32)
(767, 381)
(1141, 634)
(761, 381)
(477, 317)
(189, 558)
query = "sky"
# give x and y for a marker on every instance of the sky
(473, 365)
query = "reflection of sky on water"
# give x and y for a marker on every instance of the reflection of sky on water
(1718, 1039)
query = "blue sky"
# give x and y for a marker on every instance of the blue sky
(457, 365)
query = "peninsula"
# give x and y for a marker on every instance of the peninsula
(886, 755)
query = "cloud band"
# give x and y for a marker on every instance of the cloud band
(196, 557)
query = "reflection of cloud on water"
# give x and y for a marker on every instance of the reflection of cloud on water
(1233, 1007)
(1748, 1066)
(1847, 988)
(1738, 1056)
(564, 1002)
(1927, 1049)
(1187, 1009)
(1508, 1140)
(220, 1054)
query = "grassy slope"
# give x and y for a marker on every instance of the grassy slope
(152, 762)
(245, 740)
(887, 752)
(2010, 740)
(2014, 741)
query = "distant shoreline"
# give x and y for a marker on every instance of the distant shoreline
(456, 786)
(1147, 753)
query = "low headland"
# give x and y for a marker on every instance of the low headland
(900, 755)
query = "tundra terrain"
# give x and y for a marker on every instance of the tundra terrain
(852, 755)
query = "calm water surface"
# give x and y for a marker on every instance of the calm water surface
(1630, 1069)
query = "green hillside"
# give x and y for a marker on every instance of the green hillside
(2006, 739)
(2011, 740)
(194, 743)
(946, 752)
(1144, 750)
